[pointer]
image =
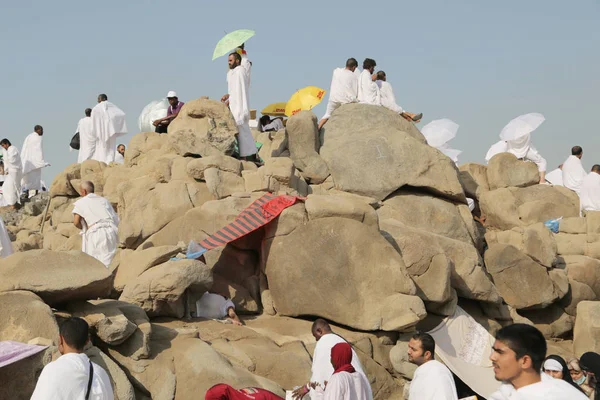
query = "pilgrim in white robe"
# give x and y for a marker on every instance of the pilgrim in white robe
(13, 167)
(523, 149)
(275, 125)
(108, 123)
(5, 245)
(67, 379)
(32, 157)
(348, 386)
(87, 140)
(368, 91)
(573, 174)
(497, 148)
(432, 381)
(100, 227)
(554, 177)
(548, 389)
(343, 90)
(119, 159)
(322, 369)
(590, 192)
(238, 87)
(388, 100)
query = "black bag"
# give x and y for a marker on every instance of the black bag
(75, 142)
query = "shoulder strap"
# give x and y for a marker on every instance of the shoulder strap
(89, 386)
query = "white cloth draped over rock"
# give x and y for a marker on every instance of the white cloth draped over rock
(238, 87)
(322, 369)
(32, 156)
(386, 95)
(554, 177)
(548, 389)
(432, 381)
(343, 90)
(573, 174)
(464, 346)
(5, 244)
(348, 386)
(497, 148)
(67, 379)
(368, 91)
(87, 139)
(523, 149)
(108, 123)
(100, 227)
(590, 192)
(13, 167)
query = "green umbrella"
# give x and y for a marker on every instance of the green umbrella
(231, 41)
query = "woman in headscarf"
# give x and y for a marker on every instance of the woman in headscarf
(556, 367)
(226, 392)
(579, 377)
(590, 364)
(346, 383)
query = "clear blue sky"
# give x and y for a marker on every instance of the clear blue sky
(479, 63)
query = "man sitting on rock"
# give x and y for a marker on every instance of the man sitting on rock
(368, 91)
(388, 100)
(573, 172)
(174, 107)
(73, 375)
(432, 379)
(266, 124)
(343, 90)
(97, 219)
(217, 306)
(322, 369)
(590, 190)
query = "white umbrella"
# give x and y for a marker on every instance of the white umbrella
(439, 132)
(450, 153)
(521, 126)
(153, 111)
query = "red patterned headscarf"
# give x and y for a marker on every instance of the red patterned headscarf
(341, 358)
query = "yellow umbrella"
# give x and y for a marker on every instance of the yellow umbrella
(274, 110)
(304, 99)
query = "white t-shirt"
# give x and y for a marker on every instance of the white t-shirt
(213, 306)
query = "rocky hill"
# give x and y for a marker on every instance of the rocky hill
(382, 241)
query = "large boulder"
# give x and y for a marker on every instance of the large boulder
(584, 270)
(536, 241)
(135, 263)
(323, 206)
(160, 290)
(507, 208)
(473, 178)
(552, 321)
(24, 316)
(56, 277)
(19, 378)
(586, 335)
(372, 151)
(105, 319)
(61, 185)
(506, 170)
(304, 143)
(203, 127)
(521, 282)
(578, 292)
(357, 278)
(122, 388)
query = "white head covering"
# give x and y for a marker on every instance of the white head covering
(552, 365)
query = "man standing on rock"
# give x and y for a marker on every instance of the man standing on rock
(238, 99)
(73, 375)
(97, 219)
(368, 91)
(432, 380)
(87, 140)
(573, 172)
(388, 100)
(517, 357)
(343, 90)
(13, 167)
(108, 122)
(32, 156)
(322, 369)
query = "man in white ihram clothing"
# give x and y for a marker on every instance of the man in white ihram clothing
(238, 99)
(388, 100)
(13, 167)
(590, 190)
(73, 376)
(108, 122)
(573, 172)
(322, 369)
(97, 219)
(523, 149)
(343, 90)
(87, 140)
(368, 91)
(5, 245)
(32, 156)
(432, 379)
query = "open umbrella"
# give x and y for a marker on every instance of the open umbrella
(274, 110)
(521, 126)
(439, 132)
(153, 111)
(304, 99)
(450, 153)
(231, 41)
